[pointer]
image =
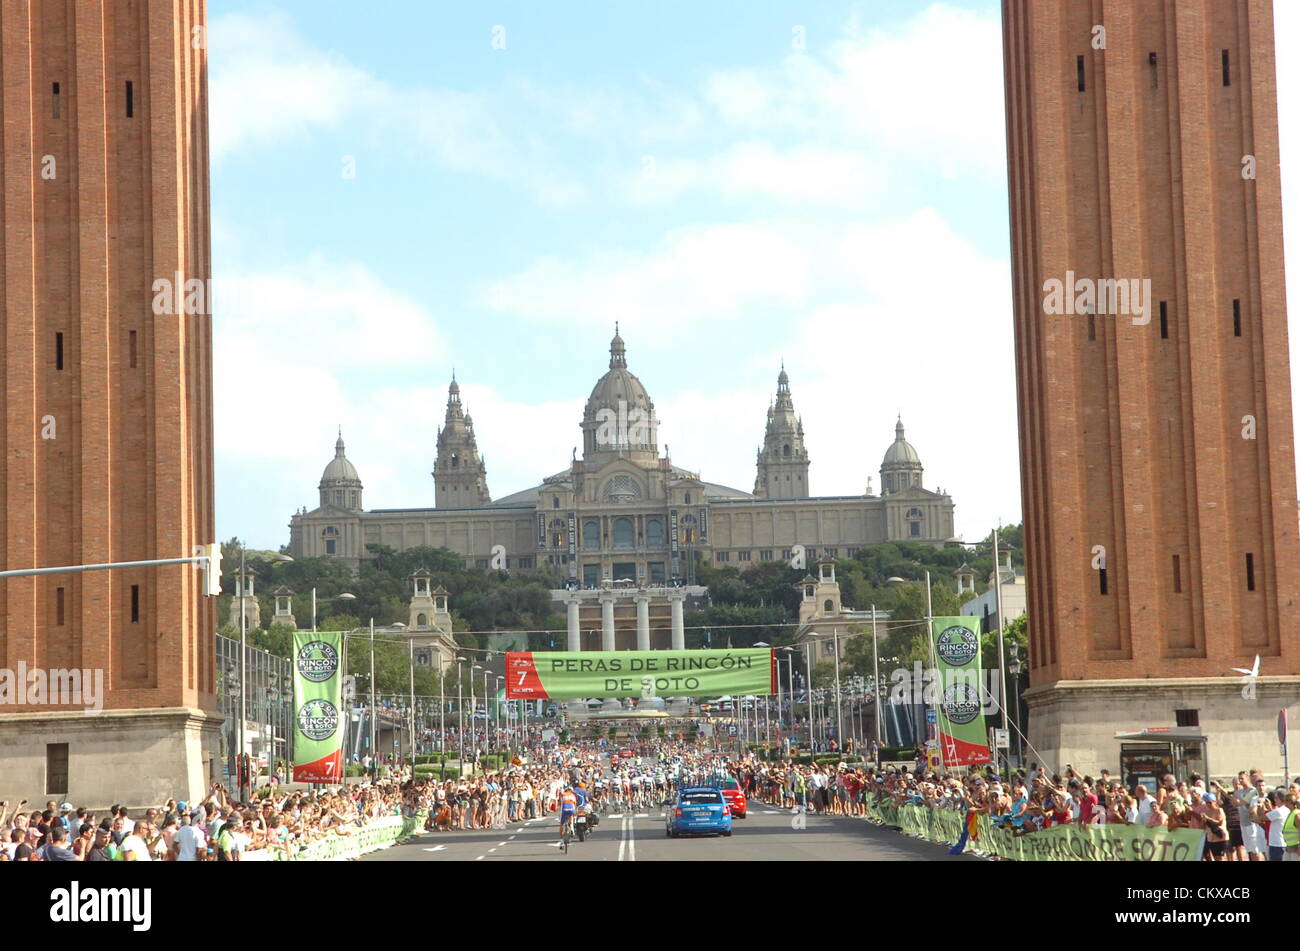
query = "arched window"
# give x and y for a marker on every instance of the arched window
(688, 498)
(590, 535)
(455, 461)
(622, 488)
(654, 533)
(421, 620)
(829, 607)
(786, 451)
(623, 533)
(555, 501)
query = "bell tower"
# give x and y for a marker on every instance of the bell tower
(459, 474)
(783, 460)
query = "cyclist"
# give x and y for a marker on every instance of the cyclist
(568, 809)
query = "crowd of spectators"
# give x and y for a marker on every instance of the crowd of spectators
(1247, 822)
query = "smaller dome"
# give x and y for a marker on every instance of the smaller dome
(617, 351)
(901, 454)
(340, 471)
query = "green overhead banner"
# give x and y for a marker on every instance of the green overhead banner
(318, 707)
(561, 675)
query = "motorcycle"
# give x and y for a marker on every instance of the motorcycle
(580, 826)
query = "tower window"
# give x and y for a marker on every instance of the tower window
(58, 351)
(1083, 85)
(1101, 579)
(56, 768)
(1164, 320)
(132, 348)
(1236, 317)
(135, 604)
(1227, 71)
(1250, 572)
(130, 99)
(1178, 577)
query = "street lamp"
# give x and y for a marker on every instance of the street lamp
(1013, 667)
(245, 780)
(460, 714)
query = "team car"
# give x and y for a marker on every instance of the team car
(699, 810)
(735, 797)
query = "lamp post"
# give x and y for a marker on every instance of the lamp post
(1014, 669)
(460, 715)
(497, 726)
(244, 780)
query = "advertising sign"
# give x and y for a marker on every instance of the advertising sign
(317, 707)
(959, 679)
(561, 675)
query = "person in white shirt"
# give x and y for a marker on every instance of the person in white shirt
(187, 844)
(135, 849)
(1144, 804)
(1277, 812)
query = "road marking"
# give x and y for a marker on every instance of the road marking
(479, 859)
(490, 851)
(436, 848)
(617, 815)
(499, 844)
(511, 839)
(643, 815)
(631, 841)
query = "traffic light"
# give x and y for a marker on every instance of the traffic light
(212, 569)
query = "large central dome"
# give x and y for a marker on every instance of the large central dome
(619, 418)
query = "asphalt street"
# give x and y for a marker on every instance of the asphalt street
(768, 834)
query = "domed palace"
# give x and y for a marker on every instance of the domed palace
(622, 511)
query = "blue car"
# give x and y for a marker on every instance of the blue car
(699, 810)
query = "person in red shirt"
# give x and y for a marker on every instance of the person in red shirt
(1088, 804)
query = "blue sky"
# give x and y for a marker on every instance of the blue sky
(736, 183)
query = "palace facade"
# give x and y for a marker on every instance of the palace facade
(622, 512)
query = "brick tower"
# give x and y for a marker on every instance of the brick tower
(106, 429)
(1157, 455)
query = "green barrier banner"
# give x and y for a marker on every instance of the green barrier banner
(558, 675)
(1071, 843)
(317, 706)
(963, 741)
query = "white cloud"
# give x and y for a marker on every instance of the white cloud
(804, 175)
(926, 94)
(710, 272)
(269, 86)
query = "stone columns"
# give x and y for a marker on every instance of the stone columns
(642, 621)
(575, 632)
(607, 621)
(679, 623)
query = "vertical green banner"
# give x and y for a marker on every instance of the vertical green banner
(959, 680)
(318, 707)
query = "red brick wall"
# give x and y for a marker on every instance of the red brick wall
(129, 476)
(1128, 440)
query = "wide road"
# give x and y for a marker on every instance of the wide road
(766, 835)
